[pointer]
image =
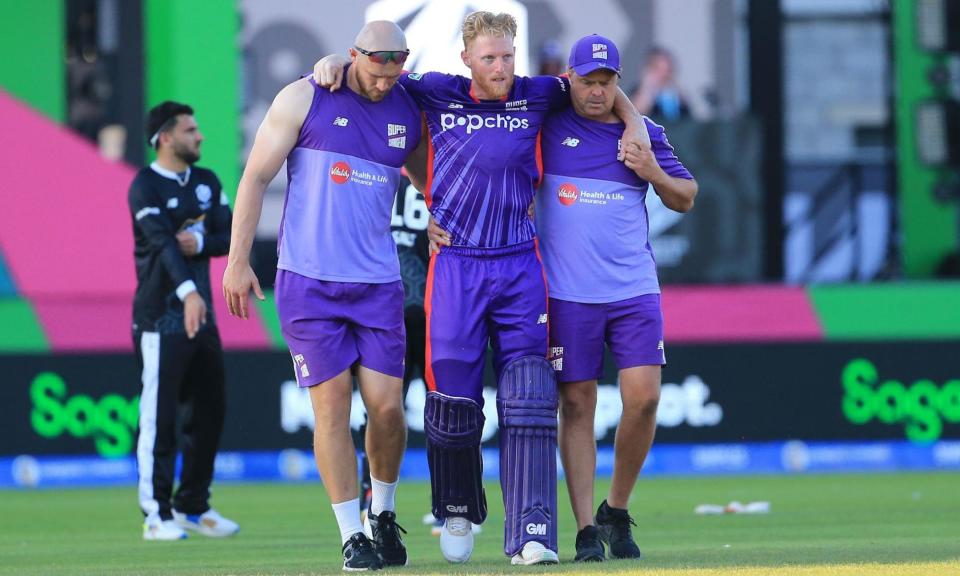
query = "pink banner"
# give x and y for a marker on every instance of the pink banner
(738, 313)
(66, 236)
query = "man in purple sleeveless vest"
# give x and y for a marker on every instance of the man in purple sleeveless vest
(487, 288)
(338, 290)
(592, 222)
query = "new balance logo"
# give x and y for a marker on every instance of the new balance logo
(542, 319)
(455, 106)
(341, 121)
(536, 529)
(660, 345)
(457, 509)
(570, 141)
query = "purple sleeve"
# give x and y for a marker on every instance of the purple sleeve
(416, 84)
(663, 151)
(555, 89)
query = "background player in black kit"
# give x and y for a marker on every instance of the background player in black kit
(181, 218)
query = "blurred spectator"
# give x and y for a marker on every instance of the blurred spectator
(658, 95)
(551, 59)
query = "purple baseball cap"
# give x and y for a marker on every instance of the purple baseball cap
(592, 53)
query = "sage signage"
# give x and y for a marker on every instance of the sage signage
(88, 404)
(922, 407)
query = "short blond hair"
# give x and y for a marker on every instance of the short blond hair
(482, 23)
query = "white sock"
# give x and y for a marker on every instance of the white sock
(348, 518)
(383, 496)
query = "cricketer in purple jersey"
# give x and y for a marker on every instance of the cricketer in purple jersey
(338, 291)
(484, 164)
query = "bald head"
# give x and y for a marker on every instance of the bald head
(381, 35)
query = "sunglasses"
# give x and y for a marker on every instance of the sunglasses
(385, 56)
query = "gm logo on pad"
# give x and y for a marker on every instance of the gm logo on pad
(536, 529)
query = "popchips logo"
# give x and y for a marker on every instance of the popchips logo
(567, 193)
(340, 172)
(476, 122)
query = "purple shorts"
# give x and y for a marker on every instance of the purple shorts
(329, 326)
(480, 297)
(632, 329)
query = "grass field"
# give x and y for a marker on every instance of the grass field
(819, 525)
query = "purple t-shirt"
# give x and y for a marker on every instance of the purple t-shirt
(591, 216)
(342, 176)
(483, 167)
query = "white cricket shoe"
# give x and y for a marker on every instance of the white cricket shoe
(156, 529)
(210, 523)
(534, 553)
(436, 525)
(456, 540)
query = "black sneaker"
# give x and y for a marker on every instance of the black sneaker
(614, 527)
(359, 554)
(589, 546)
(386, 538)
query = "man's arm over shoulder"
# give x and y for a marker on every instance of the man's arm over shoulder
(420, 85)
(556, 89)
(150, 216)
(658, 165)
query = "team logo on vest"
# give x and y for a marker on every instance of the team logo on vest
(567, 193)
(395, 138)
(340, 172)
(204, 193)
(476, 122)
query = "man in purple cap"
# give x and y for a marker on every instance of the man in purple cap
(591, 216)
(338, 290)
(592, 223)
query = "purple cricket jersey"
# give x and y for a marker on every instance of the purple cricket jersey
(342, 176)
(591, 216)
(484, 167)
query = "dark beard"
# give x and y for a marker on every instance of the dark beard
(186, 155)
